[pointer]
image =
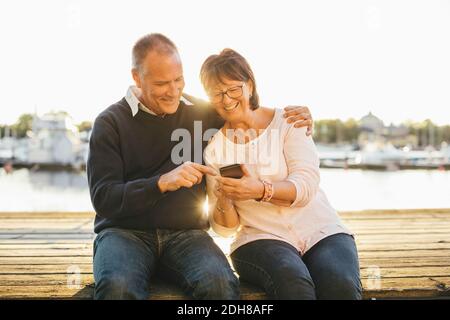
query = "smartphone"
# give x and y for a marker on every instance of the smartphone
(232, 171)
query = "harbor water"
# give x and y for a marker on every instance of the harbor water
(26, 190)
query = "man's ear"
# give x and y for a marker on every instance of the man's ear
(136, 77)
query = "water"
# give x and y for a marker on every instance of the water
(24, 190)
(404, 189)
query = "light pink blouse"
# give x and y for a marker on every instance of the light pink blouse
(280, 152)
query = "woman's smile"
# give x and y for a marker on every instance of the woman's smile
(231, 107)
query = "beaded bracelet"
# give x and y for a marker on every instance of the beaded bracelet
(268, 191)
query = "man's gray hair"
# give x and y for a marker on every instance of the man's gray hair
(151, 42)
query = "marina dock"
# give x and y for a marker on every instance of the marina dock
(48, 255)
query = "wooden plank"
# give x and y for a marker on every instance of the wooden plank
(398, 231)
(407, 287)
(47, 236)
(385, 220)
(364, 262)
(400, 288)
(88, 246)
(24, 227)
(432, 237)
(381, 251)
(44, 260)
(61, 292)
(47, 246)
(46, 253)
(46, 292)
(409, 225)
(60, 233)
(369, 283)
(418, 254)
(396, 212)
(20, 223)
(401, 246)
(54, 220)
(362, 239)
(362, 245)
(404, 262)
(46, 215)
(396, 218)
(74, 243)
(88, 235)
(74, 223)
(49, 230)
(42, 241)
(363, 214)
(362, 253)
(166, 292)
(381, 216)
(15, 271)
(398, 227)
(404, 272)
(401, 236)
(366, 270)
(388, 242)
(9, 280)
(371, 238)
(48, 269)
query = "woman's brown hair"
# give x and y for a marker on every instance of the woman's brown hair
(228, 65)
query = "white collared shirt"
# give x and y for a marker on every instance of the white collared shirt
(134, 102)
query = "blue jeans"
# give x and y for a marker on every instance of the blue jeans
(329, 270)
(126, 260)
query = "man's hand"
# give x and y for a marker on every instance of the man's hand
(301, 116)
(245, 188)
(186, 175)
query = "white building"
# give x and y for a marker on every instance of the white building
(55, 140)
(371, 123)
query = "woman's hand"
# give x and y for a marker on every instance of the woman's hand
(223, 202)
(246, 188)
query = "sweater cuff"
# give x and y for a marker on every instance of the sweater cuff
(298, 192)
(155, 192)
(222, 230)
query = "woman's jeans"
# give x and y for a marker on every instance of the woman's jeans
(126, 260)
(329, 270)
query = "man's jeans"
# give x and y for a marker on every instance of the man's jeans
(126, 260)
(329, 270)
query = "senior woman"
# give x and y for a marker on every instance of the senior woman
(287, 237)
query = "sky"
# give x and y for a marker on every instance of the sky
(340, 58)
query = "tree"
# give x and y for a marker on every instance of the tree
(84, 126)
(351, 130)
(23, 124)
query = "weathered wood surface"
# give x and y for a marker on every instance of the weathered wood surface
(403, 254)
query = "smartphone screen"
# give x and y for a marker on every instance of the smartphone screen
(232, 171)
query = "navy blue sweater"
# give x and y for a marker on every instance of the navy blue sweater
(127, 155)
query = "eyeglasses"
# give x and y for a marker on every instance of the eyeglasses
(232, 93)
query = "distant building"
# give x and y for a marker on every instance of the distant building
(399, 136)
(371, 123)
(55, 140)
(373, 130)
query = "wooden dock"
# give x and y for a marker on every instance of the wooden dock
(403, 254)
